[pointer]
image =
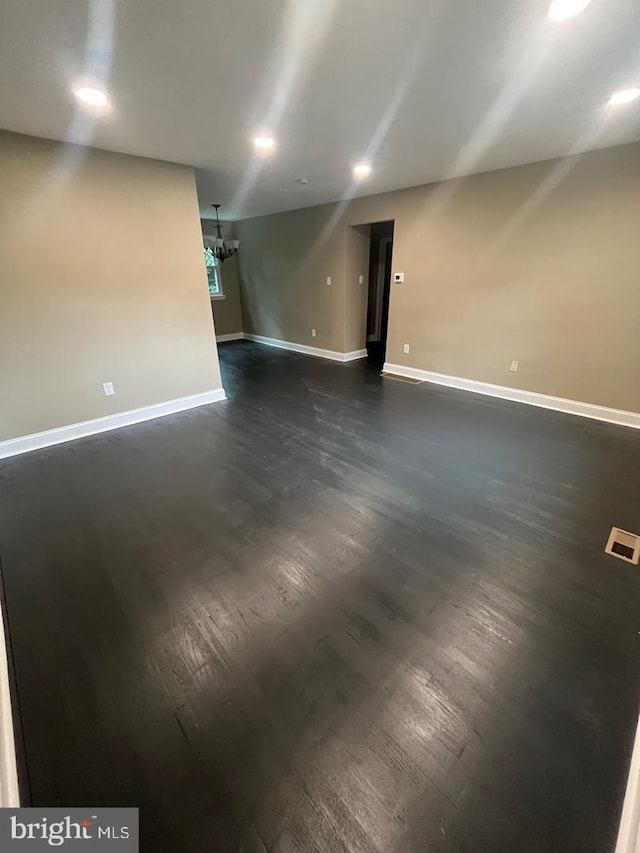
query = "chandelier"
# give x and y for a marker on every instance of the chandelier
(222, 249)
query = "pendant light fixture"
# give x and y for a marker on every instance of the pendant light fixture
(222, 249)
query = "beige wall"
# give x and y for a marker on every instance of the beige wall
(539, 263)
(227, 312)
(101, 279)
(284, 262)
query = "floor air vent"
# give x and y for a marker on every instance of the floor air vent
(623, 545)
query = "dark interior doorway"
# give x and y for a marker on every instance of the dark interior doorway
(381, 251)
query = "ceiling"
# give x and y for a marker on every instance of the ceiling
(422, 89)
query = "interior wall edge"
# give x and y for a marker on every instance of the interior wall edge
(9, 794)
(629, 829)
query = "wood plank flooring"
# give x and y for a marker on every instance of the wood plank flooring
(335, 613)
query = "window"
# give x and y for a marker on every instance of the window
(213, 274)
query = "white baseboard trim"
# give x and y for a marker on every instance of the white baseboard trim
(629, 831)
(531, 398)
(356, 354)
(26, 443)
(306, 350)
(9, 796)
(234, 336)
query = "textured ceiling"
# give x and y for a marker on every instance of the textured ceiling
(424, 89)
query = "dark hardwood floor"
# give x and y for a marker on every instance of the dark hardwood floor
(335, 613)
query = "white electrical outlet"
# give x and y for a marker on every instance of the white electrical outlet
(328, 281)
(313, 333)
(514, 366)
(360, 279)
(108, 389)
(398, 277)
(406, 348)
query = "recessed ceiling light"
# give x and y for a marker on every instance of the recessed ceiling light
(560, 10)
(94, 97)
(264, 142)
(361, 170)
(624, 96)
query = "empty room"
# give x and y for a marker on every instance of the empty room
(319, 426)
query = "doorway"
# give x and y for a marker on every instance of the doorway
(380, 256)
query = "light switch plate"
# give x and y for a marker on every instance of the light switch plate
(108, 389)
